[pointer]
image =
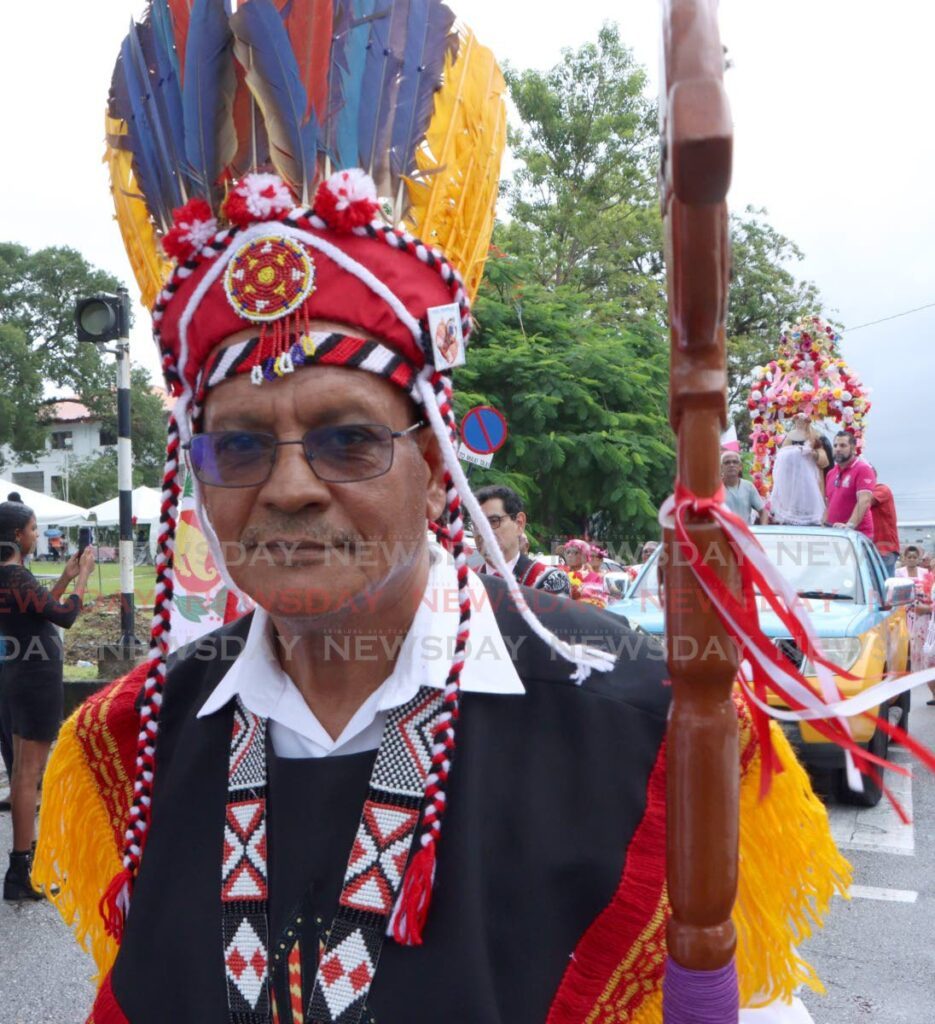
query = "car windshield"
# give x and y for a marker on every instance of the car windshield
(817, 566)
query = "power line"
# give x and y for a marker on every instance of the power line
(895, 316)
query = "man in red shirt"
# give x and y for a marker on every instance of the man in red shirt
(849, 487)
(885, 531)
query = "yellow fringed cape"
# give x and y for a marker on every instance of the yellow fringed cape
(86, 794)
(789, 869)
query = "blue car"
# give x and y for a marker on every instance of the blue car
(859, 615)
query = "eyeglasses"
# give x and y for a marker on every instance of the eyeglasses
(495, 521)
(345, 453)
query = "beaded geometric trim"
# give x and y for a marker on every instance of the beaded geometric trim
(244, 874)
(320, 347)
(372, 879)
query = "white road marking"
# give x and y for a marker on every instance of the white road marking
(876, 829)
(872, 892)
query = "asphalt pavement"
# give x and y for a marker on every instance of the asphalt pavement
(876, 955)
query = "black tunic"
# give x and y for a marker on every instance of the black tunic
(545, 793)
(31, 683)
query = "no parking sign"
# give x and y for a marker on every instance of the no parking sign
(483, 432)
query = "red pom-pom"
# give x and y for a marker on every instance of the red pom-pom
(347, 200)
(193, 226)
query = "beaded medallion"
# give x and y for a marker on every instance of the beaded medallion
(268, 278)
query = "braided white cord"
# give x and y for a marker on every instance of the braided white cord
(584, 657)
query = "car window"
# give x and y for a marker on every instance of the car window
(875, 568)
(820, 565)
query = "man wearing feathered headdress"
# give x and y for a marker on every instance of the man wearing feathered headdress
(278, 826)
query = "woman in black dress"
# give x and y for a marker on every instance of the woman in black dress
(31, 682)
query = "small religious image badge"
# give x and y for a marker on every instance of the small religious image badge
(447, 336)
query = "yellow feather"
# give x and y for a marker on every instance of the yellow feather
(454, 195)
(150, 268)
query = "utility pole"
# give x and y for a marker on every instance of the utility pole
(103, 318)
(128, 640)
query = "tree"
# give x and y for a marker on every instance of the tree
(20, 395)
(38, 291)
(147, 423)
(585, 400)
(583, 202)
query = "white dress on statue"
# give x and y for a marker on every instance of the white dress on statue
(796, 499)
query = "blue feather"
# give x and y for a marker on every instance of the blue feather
(348, 57)
(208, 92)
(379, 87)
(273, 76)
(428, 41)
(161, 19)
(167, 97)
(147, 163)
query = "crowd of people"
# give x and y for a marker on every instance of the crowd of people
(582, 571)
(817, 482)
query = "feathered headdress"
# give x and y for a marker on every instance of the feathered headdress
(305, 160)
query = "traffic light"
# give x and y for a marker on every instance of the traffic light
(103, 317)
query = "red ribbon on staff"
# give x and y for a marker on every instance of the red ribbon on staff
(771, 671)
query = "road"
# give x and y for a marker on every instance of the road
(876, 955)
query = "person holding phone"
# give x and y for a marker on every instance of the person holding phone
(32, 686)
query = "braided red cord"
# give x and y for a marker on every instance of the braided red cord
(156, 673)
(416, 892)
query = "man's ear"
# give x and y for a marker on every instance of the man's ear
(435, 492)
(521, 521)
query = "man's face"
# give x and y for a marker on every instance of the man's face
(730, 468)
(507, 530)
(305, 549)
(843, 450)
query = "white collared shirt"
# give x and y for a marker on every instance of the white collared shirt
(494, 571)
(424, 660)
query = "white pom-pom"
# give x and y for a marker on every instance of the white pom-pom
(351, 186)
(266, 195)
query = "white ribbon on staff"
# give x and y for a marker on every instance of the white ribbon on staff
(751, 549)
(872, 697)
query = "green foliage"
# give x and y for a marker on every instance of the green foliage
(583, 203)
(38, 291)
(20, 395)
(94, 480)
(147, 423)
(38, 348)
(589, 447)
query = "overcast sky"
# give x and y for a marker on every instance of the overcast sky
(832, 105)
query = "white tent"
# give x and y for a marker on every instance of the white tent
(48, 510)
(147, 502)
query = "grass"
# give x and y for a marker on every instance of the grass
(105, 580)
(79, 673)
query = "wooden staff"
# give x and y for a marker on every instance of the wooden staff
(703, 774)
